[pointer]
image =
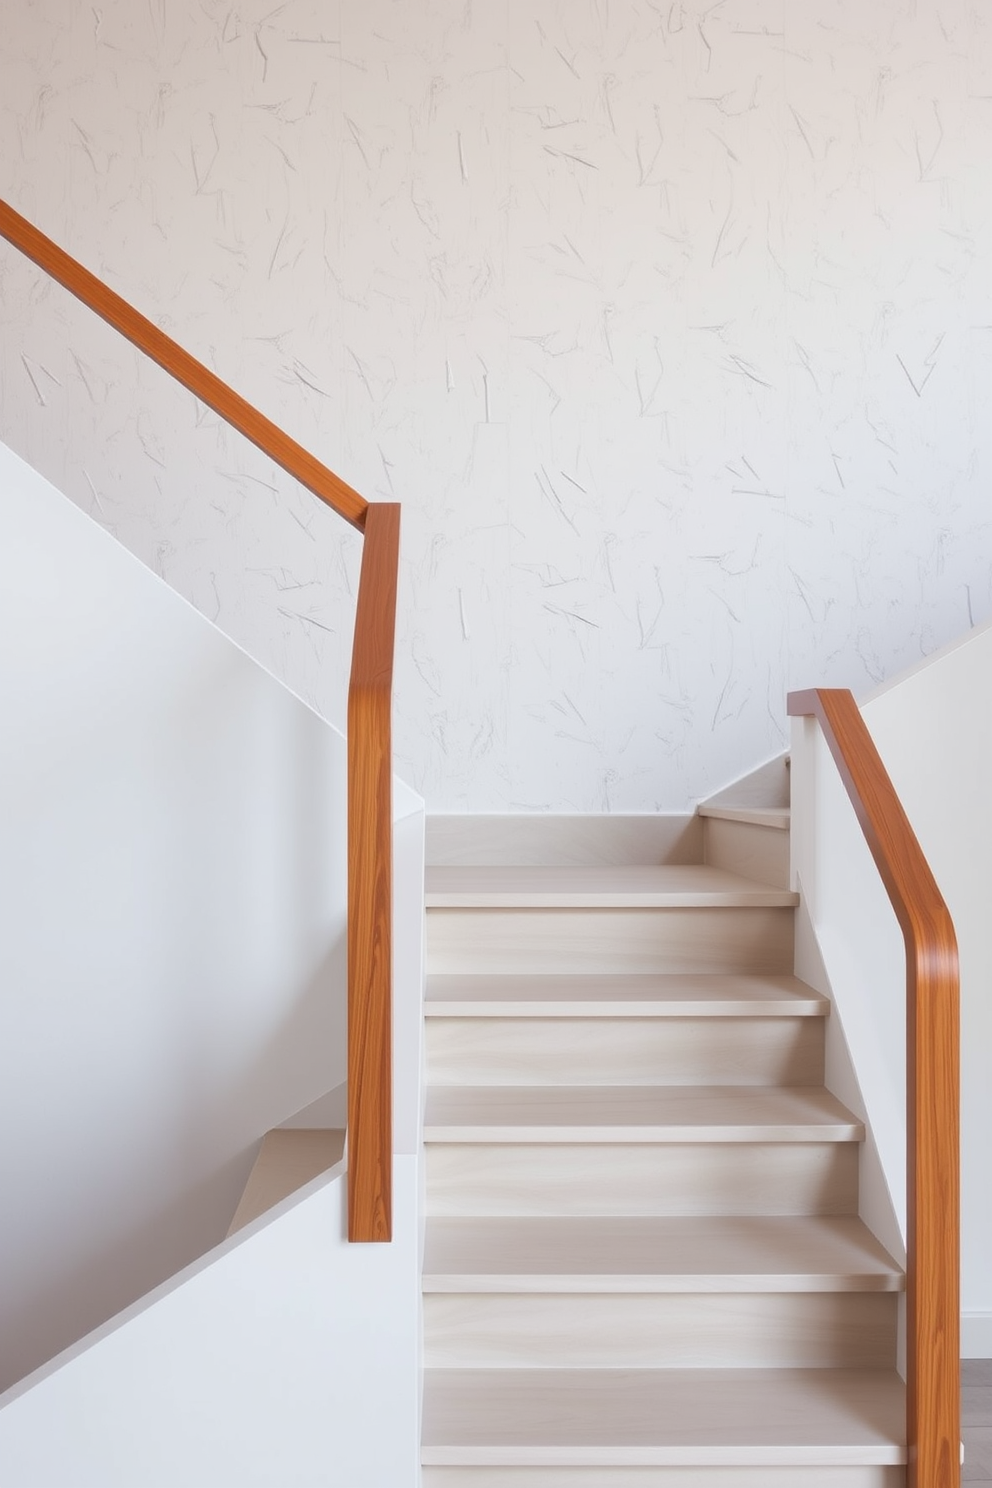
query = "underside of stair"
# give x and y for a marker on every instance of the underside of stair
(643, 1260)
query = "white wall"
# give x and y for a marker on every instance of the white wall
(287, 1359)
(668, 324)
(933, 730)
(172, 922)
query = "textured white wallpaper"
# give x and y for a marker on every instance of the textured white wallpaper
(669, 324)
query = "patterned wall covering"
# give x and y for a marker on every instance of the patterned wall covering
(669, 323)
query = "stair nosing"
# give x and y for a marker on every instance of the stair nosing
(839, 1435)
(792, 999)
(839, 1125)
(689, 886)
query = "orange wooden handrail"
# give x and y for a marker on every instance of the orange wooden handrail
(193, 375)
(370, 883)
(932, 1090)
(370, 827)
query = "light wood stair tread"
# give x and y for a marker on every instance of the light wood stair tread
(664, 1113)
(752, 1254)
(776, 817)
(695, 885)
(621, 996)
(628, 1418)
(286, 1161)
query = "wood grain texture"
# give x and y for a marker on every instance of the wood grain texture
(932, 1089)
(370, 886)
(669, 1417)
(193, 375)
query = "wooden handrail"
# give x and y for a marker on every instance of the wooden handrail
(370, 883)
(932, 1090)
(193, 375)
(370, 827)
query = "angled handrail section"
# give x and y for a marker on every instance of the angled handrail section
(369, 709)
(932, 1089)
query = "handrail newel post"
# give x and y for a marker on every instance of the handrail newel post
(370, 892)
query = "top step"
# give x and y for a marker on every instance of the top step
(667, 886)
(776, 817)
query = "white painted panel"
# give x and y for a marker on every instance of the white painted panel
(172, 924)
(933, 729)
(282, 1358)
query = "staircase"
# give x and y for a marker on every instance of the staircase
(644, 1262)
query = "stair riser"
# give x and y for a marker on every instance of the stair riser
(620, 941)
(761, 853)
(642, 1179)
(624, 1051)
(664, 1477)
(673, 1331)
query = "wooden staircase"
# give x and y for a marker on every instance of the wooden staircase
(643, 1259)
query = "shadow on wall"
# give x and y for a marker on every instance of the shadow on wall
(56, 1292)
(173, 894)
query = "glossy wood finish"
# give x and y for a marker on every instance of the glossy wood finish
(932, 1087)
(370, 883)
(369, 708)
(201, 382)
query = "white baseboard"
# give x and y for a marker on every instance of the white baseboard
(976, 1335)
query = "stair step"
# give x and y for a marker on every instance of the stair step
(640, 1178)
(669, 1114)
(695, 938)
(664, 1477)
(777, 817)
(661, 996)
(675, 1418)
(626, 1254)
(667, 886)
(624, 1051)
(660, 1330)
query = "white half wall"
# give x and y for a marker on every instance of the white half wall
(286, 1359)
(668, 324)
(933, 730)
(172, 922)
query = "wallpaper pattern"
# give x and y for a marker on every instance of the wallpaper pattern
(668, 323)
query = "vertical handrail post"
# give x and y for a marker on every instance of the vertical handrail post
(370, 888)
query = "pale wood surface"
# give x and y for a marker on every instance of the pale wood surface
(619, 996)
(660, 1330)
(758, 852)
(639, 1051)
(286, 1161)
(932, 1088)
(638, 1114)
(776, 818)
(620, 1417)
(544, 839)
(627, 1254)
(610, 941)
(594, 887)
(564, 1178)
(808, 1476)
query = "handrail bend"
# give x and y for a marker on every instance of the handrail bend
(932, 1089)
(369, 706)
